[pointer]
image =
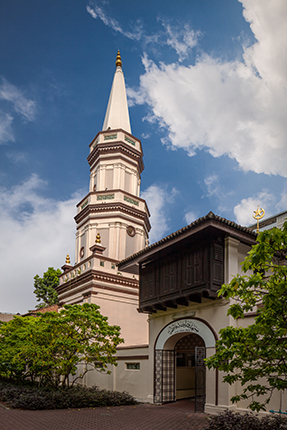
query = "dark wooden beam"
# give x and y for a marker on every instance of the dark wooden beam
(182, 301)
(146, 310)
(212, 295)
(195, 298)
(159, 307)
(170, 304)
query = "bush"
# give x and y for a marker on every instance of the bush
(229, 420)
(34, 398)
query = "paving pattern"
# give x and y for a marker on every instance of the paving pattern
(139, 417)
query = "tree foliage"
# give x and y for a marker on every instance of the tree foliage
(44, 288)
(256, 356)
(48, 348)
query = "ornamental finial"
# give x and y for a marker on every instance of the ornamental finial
(118, 60)
(68, 259)
(98, 238)
(259, 213)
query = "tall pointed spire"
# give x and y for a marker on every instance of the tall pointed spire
(117, 114)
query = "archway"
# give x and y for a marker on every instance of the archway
(179, 370)
(189, 370)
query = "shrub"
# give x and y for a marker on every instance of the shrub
(34, 398)
(230, 420)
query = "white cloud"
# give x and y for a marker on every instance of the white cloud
(13, 101)
(244, 211)
(6, 133)
(36, 233)
(228, 107)
(212, 186)
(158, 199)
(21, 104)
(97, 11)
(181, 39)
(189, 217)
(16, 157)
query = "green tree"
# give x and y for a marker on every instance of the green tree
(50, 347)
(256, 356)
(44, 288)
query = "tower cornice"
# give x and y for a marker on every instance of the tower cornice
(110, 131)
(103, 150)
(116, 207)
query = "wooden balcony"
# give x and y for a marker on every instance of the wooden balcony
(184, 276)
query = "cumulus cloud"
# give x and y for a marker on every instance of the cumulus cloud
(36, 233)
(181, 39)
(13, 101)
(189, 217)
(245, 209)
(158, 198)
(234, 108)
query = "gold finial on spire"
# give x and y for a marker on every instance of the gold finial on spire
(98, 238)
(259, 214)
(68, 259)
(119, 60)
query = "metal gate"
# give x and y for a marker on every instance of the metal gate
(164, 376)
(199, 379)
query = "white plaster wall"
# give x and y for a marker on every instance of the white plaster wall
(122, 311)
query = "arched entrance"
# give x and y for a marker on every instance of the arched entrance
(189, 368)
(179, 369)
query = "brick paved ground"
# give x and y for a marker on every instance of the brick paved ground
(140, 417)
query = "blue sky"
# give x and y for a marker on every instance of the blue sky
(206, 82)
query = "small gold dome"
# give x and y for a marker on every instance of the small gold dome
(119, 60)
(98, 238)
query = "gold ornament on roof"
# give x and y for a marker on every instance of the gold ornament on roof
(259, 214)
(68, 259)
(98, 238)
(118, 60)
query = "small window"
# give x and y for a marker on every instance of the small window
(133, 366)
(113, 266)
(102, 263)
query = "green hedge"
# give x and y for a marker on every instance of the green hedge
(34, 398)
(234, 421)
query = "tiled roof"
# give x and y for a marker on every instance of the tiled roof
(189, 227)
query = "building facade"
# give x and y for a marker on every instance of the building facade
(164, 296)
(179, 280)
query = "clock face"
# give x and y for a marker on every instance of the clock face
(131, 231)
(82, 252)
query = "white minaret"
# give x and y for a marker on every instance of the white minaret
(117, 115)
(113, 208)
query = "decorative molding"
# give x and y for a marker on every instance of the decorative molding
(113, 207)
(71, 291)
(94, 275)
(84, 204)
(188, 325)
(130, 141)
(110, 136)
(132, 201)
(102, 149)
(106, 197)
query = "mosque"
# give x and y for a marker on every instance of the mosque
(163, 295)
